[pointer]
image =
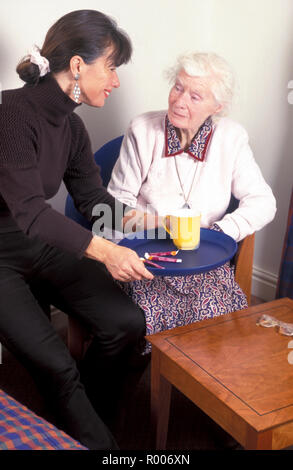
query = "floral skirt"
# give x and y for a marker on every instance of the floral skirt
(168, 301)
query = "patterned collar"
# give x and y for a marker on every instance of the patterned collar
(198, 146)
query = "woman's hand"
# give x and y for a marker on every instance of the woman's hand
(136, 221)
(122, 263)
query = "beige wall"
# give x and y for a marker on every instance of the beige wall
(255, 36)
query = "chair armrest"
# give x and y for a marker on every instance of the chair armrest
(244, 265)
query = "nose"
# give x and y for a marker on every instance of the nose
(115, 80)
(180, 100)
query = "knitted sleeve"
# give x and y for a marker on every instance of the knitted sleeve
(22, 189)
(84, 183)
(18, 143)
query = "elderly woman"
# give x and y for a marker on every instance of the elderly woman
(193, 156)
(43, 252)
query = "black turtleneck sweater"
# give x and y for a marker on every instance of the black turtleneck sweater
(42, 142)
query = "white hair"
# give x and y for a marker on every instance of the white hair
(212, 66)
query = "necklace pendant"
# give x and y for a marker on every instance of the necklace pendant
(186, 206)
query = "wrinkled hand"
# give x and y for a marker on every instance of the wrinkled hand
(122, 263)
(135, 220)
(125, 265)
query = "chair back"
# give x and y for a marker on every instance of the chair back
(233, 205)
(106, 158)
(243, 259)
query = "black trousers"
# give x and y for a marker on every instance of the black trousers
(81, 288)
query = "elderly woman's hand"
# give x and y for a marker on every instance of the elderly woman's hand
(135, 221)
(122, 263)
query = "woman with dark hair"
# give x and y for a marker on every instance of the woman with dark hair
(43, 142)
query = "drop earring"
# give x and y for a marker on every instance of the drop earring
(76, 89)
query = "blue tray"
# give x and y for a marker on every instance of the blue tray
(216, 248)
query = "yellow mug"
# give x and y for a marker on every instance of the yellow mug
(184, 228)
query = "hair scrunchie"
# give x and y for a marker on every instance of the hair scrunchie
(36, 58)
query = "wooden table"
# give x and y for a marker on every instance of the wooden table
(238, 373)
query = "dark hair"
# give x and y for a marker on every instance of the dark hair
(87, 33)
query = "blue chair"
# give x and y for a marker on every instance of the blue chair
(106, 158)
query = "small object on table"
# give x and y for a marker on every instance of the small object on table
(162, 258)
(155, 265)
(268, 321)
(164, 253)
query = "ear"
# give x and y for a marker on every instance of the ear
(218, 108)
(76, 63)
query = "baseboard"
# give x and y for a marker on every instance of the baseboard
(264, 284)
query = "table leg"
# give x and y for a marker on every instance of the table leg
(259, 440)
(160, 402)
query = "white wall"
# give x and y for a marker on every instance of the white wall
(255, 36)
